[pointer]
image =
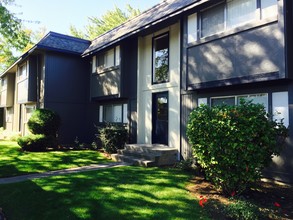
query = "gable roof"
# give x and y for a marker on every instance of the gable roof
(156, 14)
(55, 42)
(63, 43)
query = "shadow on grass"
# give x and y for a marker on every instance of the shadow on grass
(15, 162)
(116, 193)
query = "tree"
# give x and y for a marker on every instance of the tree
(12, 35)
(111, 19)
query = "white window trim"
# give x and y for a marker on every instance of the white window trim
(124, 108)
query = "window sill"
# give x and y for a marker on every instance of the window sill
(225, 33)
(105, 70)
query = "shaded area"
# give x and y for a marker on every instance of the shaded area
(267, 199)
(116, 193)
(14, 162)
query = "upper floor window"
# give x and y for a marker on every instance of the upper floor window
(108, 59)
(227, 15)
(3, 83)
(22, 72)
(161, 58)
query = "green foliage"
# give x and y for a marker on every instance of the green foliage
(112, 136)
(243, 210)
(44, 121)
(111, 19)
(36, 142)
(234, 143)
(188, 165)
(12, 36)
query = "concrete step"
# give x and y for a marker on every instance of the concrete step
(132, 160)
(147, 154)
(139, 154)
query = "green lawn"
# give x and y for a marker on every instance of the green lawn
(114, 193)
(14, 162)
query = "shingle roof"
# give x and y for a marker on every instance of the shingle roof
(156, 14)
(56, 42)
(63, 43)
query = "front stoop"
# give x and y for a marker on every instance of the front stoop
(147, 155)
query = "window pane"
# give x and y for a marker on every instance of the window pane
(240, 11)
(256, 99)
(108, 113)
(223, 101)
(117, 113)
(212, 20)
(125, 113)
(268, 8)
(100, 62)
(161, 59)
(94, 65)
(109, 58)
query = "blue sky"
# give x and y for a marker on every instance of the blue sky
(57, 15)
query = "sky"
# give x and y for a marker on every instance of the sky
(58, 15)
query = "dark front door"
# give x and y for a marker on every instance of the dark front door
(160, 118)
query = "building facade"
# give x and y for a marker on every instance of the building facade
(150, 72)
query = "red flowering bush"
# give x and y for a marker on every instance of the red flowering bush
(234, 143)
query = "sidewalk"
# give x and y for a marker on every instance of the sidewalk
(60, 172)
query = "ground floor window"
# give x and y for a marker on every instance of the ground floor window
(275, 103)
(114, 113)
(235, 100)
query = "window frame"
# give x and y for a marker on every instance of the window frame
(96, 68)
(236, 98)
(20, 75)
(123, 113)
(154, 81)
(258, 17)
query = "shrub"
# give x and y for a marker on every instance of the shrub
(234, 143)
(37, 142)
(243, 209)
(112, 137)
(44, 121)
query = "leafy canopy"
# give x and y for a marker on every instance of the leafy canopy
(12, 35)
(111, 19)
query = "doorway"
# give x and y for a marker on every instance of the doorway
(160, 119)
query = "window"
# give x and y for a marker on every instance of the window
(261, 98)
(239, 12)
(108, 59)
(22, 72)
(161, 58)
(227, 15)
(212, 20)
(116, 113)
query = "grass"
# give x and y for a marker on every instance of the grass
(114, 193)
(14, 162)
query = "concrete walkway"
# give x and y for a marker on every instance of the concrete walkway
(60, 172)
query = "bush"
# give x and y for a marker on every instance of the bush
(44, 121)
(37, 142)
(234, 143)
(112, 137)
(243, 209)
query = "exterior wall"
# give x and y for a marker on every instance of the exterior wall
(106, 83)
(129, 50)
(246, 60)
(67, 93)
(146, 88)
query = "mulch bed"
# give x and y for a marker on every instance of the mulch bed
(274, 199)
